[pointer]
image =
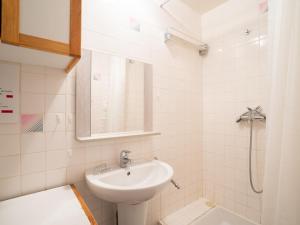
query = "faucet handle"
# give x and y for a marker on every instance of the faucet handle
(124, 153)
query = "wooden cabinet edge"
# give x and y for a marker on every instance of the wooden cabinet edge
(75, 28)
(10, 23)
(84, 206)
(43, 44)
(72, 63)
(11, 34)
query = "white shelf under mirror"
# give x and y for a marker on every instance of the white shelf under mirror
(118, 135)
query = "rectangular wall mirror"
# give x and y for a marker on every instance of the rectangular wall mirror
(113, 97)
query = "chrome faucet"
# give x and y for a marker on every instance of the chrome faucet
(124, 159)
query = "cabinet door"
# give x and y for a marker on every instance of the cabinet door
(51, 26)
(48, 19)
(10, 21)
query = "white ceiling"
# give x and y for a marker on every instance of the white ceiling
(203, 6)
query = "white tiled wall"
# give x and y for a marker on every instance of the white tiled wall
(31, 162)
(234, 77)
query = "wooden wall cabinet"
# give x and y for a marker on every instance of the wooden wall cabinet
(41, 32)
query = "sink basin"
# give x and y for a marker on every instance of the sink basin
(135, 185)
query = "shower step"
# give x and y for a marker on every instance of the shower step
(188, 214)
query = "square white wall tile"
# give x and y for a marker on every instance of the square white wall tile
(55, 83)
(10, 145)
(75, 173)
(33, 162)
(33, 142)
(56, 178)
(10, 187)
(10, 166)
(33, 83)
(56, 140)
(33, 182)
(32, 103)
(77, 156)
(55, 104)
(55, 122)
(57, 159)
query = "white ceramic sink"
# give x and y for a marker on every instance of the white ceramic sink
(135, 185)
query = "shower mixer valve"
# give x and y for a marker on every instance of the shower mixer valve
(252, 114)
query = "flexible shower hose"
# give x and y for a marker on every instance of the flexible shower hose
(250, 161)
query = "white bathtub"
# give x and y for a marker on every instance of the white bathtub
(221, 216)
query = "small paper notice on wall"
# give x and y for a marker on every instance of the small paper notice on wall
(32, 123)
(9, 92)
